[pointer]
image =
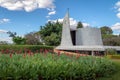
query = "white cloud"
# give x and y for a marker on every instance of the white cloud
(116, 27)
(27, 5)
(3, 31)
(86, 24)
(73, 23)
(4, 36)
(118, 15)
(52, 12)
(7, 39)
(4, 20)
(117, 6)
(47, 16)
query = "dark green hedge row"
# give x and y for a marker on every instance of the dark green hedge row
(25, 48)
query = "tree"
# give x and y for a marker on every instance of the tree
(53, 39)
(113, 41)
(106, 30)
(79, 25)
(11, 34)
(19, 40)
(3, 42)
(108, 37)
(16, 39)
(51, 33)
(33, 38)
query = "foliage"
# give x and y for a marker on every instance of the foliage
(24, 48)
(112, 41)
(106, 30)
(108, 37)
(115, 76)
(53, 39)
(19, 40)
(51, 33)
(3, 42)
(33, 38)
(105, 36)
(16, 39)
(53, 67)
(79, 25)
(111, 51)
(11, 34)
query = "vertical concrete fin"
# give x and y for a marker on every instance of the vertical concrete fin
(66, 36)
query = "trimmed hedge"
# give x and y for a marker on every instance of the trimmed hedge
(24, 48)
(53, 67)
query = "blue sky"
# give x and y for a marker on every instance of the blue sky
(24, 16)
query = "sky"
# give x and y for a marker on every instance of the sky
(25, 16)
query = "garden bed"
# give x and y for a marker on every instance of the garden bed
(53, 66)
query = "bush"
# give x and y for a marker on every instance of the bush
(24, 48)
(111, 51)
(53, 67)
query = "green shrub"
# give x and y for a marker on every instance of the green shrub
(53, 67)
(111, 51)
(24, 48)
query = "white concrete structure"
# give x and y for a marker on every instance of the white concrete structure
(66, 36)
(88, 37)
(84, 39)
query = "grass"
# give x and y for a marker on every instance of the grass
(115, 76)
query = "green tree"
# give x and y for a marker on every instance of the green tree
(53, 39)
(11, 34)
(106, 30)
(79, 25)
(108, 37)
(16, 39)
(51, 33)
(19, 40)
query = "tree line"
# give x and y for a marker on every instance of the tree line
(50, 34)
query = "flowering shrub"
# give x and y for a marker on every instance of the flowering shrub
(46, 66)
(5, 49)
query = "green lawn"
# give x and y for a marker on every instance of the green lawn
(115, 76)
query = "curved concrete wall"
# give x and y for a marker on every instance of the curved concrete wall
(88, 36)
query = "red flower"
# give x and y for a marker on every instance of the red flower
(46, 51)
(10, 55)
(58, 53)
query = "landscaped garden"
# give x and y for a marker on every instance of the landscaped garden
(115, 76)
(47, 65)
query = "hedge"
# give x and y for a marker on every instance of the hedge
(24, 48)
